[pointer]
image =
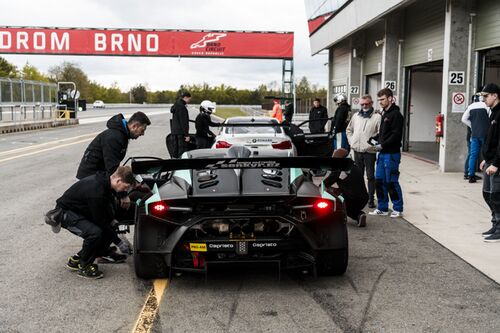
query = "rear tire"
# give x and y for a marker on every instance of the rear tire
(148, 265)
(332, 262)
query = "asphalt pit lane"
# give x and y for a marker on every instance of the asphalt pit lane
(269, 313)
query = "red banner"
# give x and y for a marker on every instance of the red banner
(316, 23)
(161, 43)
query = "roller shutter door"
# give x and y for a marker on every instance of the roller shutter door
(341, 56)
(424, 31)
(373, 55)
(488, 24)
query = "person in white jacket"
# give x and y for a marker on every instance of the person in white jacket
(364, 125)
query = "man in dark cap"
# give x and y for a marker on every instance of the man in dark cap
(491, 163)
(179, 125)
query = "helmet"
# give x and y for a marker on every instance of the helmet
(207, 106)
(339, 98)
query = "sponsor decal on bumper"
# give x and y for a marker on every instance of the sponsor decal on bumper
(232, 246)
(198, 247)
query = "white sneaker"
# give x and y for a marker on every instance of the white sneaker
(395, 214)
(378, 213)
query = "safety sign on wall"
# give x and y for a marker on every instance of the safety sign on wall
(458, 102)
(355, 103)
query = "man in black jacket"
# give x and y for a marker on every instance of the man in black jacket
(87, 211)
(179, 124)
(204, 136)
(352, 186)
(318, 116)
(340, 122)
(491, 163)
(288, 113)
(388, 144)
(108, 148)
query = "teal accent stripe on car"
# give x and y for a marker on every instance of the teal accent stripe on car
(184, 174)
(154, 198)
(294, 174)
(326, 195)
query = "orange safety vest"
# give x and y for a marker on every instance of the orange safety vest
(277, 112)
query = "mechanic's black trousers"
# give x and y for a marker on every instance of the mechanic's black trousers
(367, 161)
(491, 194)
(95, 242)
(202, 142)
(354, 207)
(182, 145)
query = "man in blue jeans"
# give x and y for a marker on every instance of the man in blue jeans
(388, 144)
(476, 117)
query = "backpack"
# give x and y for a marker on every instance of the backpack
(350, 113)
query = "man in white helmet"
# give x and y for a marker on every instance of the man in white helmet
(340, 121)
(204, 136)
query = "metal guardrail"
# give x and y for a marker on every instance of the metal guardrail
(24, 112)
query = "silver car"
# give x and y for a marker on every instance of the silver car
(254, 137)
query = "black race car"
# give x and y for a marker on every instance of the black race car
(222, 206)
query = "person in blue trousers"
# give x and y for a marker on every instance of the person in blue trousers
(388, 145)
(476, 117)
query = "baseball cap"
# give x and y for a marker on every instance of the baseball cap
(490, 88)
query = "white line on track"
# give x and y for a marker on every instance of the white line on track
(44, 150)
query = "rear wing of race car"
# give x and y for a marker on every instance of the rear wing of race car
(324, 163)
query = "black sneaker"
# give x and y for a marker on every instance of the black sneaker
(371, 204)
(478, 177)
(493, 238)
(489, 232)
(73, 263)
(472, 179)
(361, 220)
(112, 258)
(90, 272)
(466, 177)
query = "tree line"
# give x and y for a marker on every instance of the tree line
(140, 93)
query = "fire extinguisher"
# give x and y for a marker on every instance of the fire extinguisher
(439, 125)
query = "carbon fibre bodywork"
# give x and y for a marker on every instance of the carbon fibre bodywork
(226, 208)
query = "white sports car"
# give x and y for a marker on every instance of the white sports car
(254, 137)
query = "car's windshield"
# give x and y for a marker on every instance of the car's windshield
(253, 130)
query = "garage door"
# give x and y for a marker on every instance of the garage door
(488, 24)
(341, 56)
(372, 60)
(424, 32)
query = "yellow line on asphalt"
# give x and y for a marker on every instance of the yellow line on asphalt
(148, 313)
(43, 150)
(13, 151)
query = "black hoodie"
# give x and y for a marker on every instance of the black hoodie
(318, 117)
(391, 130)
(180, 118)
(491, 148)
(93, 198)
(107, 149)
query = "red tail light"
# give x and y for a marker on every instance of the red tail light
(282, 145)
(222, 144)
(158, 208)
(322, 204)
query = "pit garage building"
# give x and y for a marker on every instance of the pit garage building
(434, 54)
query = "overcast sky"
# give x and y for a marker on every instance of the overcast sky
(169, 73)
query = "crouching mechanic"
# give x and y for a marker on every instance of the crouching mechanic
(352, 186)
(87, 211)
(204, 136)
